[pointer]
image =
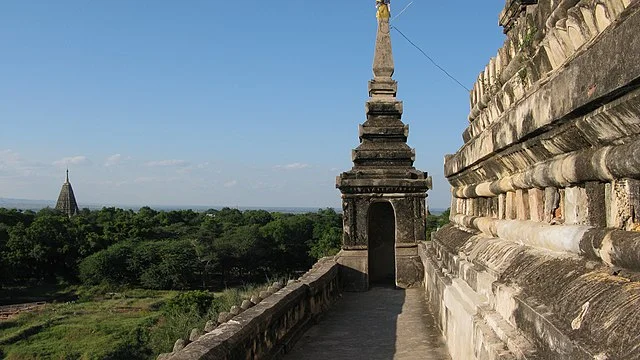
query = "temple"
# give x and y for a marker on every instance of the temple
(383, 195)
(67, 200)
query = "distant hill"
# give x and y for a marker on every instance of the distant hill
(26, 204)
(436, 211)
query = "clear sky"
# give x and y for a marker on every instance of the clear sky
(236, 103)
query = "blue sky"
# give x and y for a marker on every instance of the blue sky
(236, 103)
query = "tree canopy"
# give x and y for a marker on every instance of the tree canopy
(180, 249)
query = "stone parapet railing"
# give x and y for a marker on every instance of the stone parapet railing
(271, 327)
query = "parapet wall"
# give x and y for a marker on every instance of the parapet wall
(542, 258)
(271, 327)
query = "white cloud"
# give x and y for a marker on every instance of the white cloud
(13, 164)
(231, 183)
(167, 163)
(72, 160)
(294, 166)
(9, 158)
(144, 179)
(114, 160)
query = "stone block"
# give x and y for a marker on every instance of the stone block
(235, 310)
(354, 269)
(596, 206)
(223, 317)
(179, 345)
(502, 211)
(510, 206)
(522, 205)
(277, 285)
(551, 204)
(195, 334)
(536, 204)
(622, 202)
(246, 304)
(409, 271)
(406, 250)
(255, 299)
(210, 326)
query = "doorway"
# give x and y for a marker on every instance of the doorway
(382, 236)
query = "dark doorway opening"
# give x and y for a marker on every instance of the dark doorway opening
(382, 236)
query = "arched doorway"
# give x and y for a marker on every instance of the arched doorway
(382, 235)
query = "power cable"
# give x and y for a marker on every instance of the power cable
(430, 59)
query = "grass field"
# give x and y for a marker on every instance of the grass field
(129, 324)
(107, 328)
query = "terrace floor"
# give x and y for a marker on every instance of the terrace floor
(381, 324)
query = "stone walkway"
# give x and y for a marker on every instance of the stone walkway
(381, 324)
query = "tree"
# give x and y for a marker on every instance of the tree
(111, 266)
(435, 222)
(329, 243)
(289, 237)
(169, 264)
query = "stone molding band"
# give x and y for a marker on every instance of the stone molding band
(613, 247)
(605, 164)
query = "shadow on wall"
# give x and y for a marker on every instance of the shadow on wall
(359, 326)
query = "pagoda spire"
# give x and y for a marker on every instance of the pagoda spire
(382, 185)
(382, 84)
(383, 65)
(66, 200)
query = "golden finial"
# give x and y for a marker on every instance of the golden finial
(384, 9)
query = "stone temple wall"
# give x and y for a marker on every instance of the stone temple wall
(542, 259)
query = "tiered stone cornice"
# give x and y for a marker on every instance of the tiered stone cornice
(383, 162)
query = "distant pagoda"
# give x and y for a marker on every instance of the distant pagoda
(67, 201)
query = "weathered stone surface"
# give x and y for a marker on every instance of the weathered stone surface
(164, 356)
(255, 299)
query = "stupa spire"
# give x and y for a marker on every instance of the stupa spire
(67, 200)
(383, 66)
(382, 84)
